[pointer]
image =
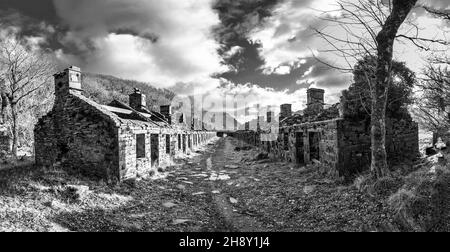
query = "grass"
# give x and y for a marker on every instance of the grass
(423, 202)
(274, 195)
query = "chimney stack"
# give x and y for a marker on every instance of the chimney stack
(270, 116)
(315, 100)
(166, 111)
(138, 100)
(68, 82)
(286, 111)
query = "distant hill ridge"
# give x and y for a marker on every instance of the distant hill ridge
(105, 88)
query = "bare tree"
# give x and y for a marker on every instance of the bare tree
(433, 106)
(24, 71)
(369, 29)
(3, 100)
(433, 109)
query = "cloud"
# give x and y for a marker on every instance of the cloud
(286, 40)
(162, 42)
(286, 36)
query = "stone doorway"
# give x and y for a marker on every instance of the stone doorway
(314, 150)
(154, 143)
(300, 148)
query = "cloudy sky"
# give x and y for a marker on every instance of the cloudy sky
(258, 47)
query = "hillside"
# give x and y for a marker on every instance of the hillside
(104, 88)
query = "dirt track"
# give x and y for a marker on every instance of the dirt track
(215, 189)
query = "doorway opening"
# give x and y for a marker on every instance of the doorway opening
(314, 150)
(300, 148)
(154, 143)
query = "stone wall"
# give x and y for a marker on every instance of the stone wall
(342, 147)
(293, 144)
(402, 144)
(80, 137)
(85, 137)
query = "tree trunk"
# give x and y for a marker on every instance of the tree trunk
(385, 47)
(3, 103)
(15, 140)
(379, 166)
(3, 107)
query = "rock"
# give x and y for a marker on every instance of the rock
(231, 167)
(244, 148)
(233, 201)
(75, 193)
(181, 187)
(180, 221)
(132, 226)
(56, 205)
(261, 156)
(430, 151)
(317, 162)
(215, 177)
(215, 192)
(309, 189)
(169, 205)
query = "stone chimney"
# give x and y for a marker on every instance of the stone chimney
(166, 111)
(286, 111)
(68, 82)
(315, 100)
(247, 126)
(138, 100)
(270, 116)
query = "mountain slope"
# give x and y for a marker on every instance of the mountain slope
(104, 88)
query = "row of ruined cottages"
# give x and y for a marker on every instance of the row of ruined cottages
(113, 142)
(341, 146)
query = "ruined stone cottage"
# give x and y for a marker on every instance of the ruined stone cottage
(342, 146)
(113, 142)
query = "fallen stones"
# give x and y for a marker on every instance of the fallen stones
(233, 167)
(244, 148)
(261, 156)
(181, 187)
(74, 193)
(169, 205)
(215, 177)
(233, 200)
(180, 221)
(309, 189)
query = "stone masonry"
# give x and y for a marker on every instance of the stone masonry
(341, 146)
(112, 142)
